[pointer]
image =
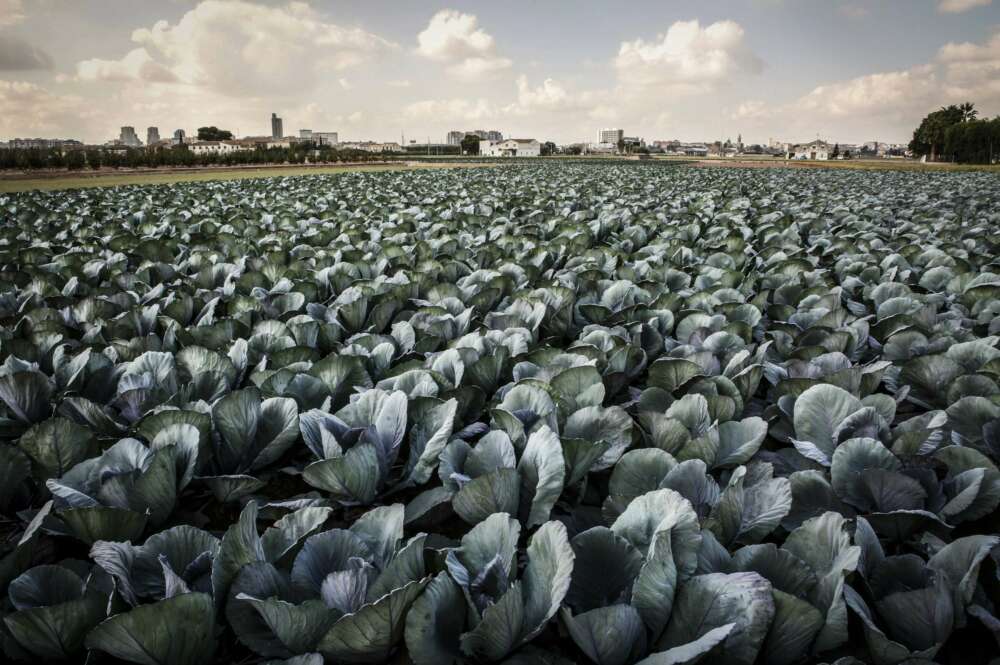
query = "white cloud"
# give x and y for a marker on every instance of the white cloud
(319, 117)
(456, 39)
(549, 101)
(11, 12)
(548, 96)
(450, 110)
(557, 101)
(451, 35)
(471, 68)
(883, 93)
(241, 48)
(960, 71)
(968, 52)
(137, 65)
(959, 6)
(893, 101)
(544, 109)
(232, 62)
(687, 58)
(753, 109)
(972, 71)
(29, 109)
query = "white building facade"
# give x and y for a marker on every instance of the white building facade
(601, 148)
(326, 138)
(610, 135)
(817, 150)
(455, 137)
(510, 148)
(215, 147)
(372, 146)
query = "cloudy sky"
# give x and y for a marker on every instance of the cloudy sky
(846, 70)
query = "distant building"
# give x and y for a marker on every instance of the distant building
(216, 147)
(845, 151)
(679, 148)
(487, 134)
(277, 130)
(44, 144)
(128, 137)
(873, 147)
(455, 137)
(610, 135)
(693, 149)
(179, 136)
(818, 150)
(152, 135)
(601, 148)
(633, 143)
(415, 148)
(320, 138)
(884, 150)
(372, 146)
(266, 142)
(510, 148)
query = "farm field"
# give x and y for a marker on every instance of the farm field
(597, 413)
(167, 176)
(851, 165)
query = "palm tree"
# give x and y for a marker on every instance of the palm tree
(969, 111)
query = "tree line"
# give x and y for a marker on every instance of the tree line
(98, 157)
(956, 134)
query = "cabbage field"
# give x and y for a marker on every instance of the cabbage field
(531, 414)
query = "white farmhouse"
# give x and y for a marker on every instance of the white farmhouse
(601, 148)
(215, 147)
(371, 146)
(814, 150)
(390, 146)
(510, 148)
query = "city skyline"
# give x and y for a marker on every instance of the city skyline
(845, 70)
